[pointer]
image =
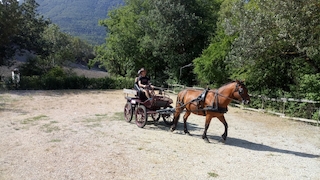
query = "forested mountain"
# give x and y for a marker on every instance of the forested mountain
(79, 17)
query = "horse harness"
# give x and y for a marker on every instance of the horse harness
(200, 100)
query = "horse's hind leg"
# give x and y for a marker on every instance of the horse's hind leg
(224, 122)
(185, 117)
(176, 117)
(206, 126)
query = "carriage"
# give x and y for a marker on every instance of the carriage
(139, 106)
(208, 103)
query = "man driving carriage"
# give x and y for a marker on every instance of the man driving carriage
(144, 84)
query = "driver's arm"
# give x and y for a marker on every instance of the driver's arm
(141, 85)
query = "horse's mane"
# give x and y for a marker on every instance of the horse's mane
(215, 89)
(238, 81)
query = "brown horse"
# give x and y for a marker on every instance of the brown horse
(210, 103)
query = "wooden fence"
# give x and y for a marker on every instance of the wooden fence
(282, 104)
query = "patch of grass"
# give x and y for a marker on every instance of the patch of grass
(213, 174)
(94, 125)
(8, 103)
(118, 116)
(101, 115)
(140, 148)
(48, 128)
(95, 121)
(32, 120)
(97, 118)
(55, 140)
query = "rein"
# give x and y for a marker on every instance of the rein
(226, 97)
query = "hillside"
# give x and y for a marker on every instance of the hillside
(79, 18)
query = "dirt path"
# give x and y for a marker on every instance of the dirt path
(82, 135)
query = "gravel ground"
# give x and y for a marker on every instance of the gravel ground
(82, 135)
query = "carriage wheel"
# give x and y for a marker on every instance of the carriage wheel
(168, 117)
(141, 116)
(128, 112)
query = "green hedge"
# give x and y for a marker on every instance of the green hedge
(73, 82)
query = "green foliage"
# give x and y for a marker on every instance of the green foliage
(161, 36)
(61, 50)
(170, 34)
(33, 66)
(310, 86)
(28, 31)
(121, 46)
(64, 48)
(56, 72)
(10, 19)
(20, 30)
(56, 79)
(211, 67)
(274, 46)
(278, 41)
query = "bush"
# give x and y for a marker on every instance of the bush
(56, 79)
(310, 86)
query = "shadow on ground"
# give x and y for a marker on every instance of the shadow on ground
(231, 141)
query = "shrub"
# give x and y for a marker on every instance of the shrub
(310, 86)
(55, 79)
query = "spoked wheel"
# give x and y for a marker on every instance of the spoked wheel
(128, 112)
(155, 117)
(168, 117)
(141, 116)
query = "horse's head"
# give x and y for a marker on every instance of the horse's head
(241, 92)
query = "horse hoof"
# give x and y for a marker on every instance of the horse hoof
(172, 129)
(206, 140)
(222, 140)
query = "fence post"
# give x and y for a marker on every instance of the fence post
(284, 106)
(318, 118)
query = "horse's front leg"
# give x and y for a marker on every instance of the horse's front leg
(224, 122)
(206, 126)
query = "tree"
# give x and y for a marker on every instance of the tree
(59, 47)
(120, 55)
(10, 18)
(278, 41)
(169, 35)
(21, 29)
(212, 67)
(29, 36)
(161, 36)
